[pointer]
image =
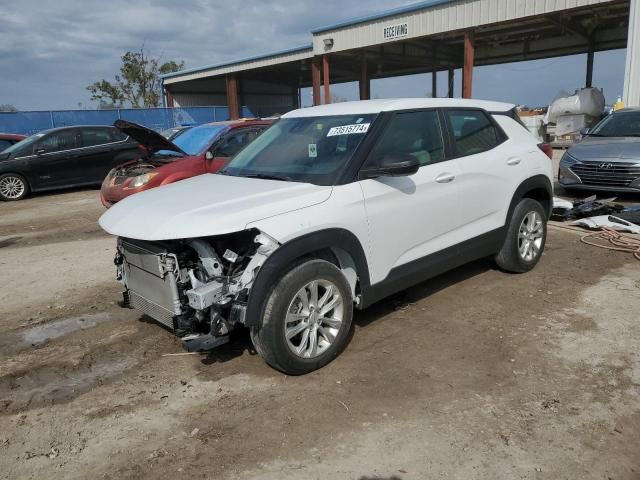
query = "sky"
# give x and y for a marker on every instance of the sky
(51, 50)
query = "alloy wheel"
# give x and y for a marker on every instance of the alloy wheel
(530, 236)
(12, 187)
(314, 318)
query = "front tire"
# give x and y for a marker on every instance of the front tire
(307, 318)
(13, 187)
(526, 238)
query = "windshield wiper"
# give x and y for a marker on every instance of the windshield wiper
(268, 176)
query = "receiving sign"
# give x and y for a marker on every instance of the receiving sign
(395, 32)
(349, 129)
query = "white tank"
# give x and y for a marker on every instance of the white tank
(588, 101)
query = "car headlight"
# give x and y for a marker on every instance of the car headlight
(141, 180)
(568, 160)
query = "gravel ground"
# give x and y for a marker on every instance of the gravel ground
(474, 375)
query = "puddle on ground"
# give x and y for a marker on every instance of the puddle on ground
(59, 328)
(58, 383)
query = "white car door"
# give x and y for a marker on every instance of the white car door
(491, 168)
(413, 216)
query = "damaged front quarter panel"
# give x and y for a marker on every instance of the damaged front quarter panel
(197, 287)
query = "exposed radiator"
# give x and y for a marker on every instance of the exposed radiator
(155, 311)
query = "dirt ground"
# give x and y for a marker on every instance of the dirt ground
(474, 375)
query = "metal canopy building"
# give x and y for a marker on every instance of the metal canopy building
(430, 36)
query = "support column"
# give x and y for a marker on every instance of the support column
(632, 69)
(315, 79)
(232, 97)
(467, 71)
(295, 96)
(365, 82)
(434, 74)
(589, 81)
(434, 84)
(169, 97)
(452, 74)
(326, 78)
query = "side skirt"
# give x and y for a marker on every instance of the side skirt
(410, 274)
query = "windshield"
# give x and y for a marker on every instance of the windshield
(25, 145)
(307, 149)
(621, 124)
(195, 140)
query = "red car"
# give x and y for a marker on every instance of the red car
(202, 149)
(8, 139)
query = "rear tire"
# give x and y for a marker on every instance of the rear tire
(307, 318)
(13, 187)
(526, 238)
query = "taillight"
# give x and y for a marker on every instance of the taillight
(547, 149)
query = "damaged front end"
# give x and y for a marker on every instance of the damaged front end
(198, 288)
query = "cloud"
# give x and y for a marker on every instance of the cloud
(52, 50)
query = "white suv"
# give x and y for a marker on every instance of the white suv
(333, 208)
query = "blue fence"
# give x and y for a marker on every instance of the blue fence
(28, 123)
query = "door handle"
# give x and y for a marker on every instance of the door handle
(445, 178)
(512, 162)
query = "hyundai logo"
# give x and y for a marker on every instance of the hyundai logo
(606, 166)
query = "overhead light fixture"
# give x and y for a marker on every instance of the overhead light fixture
(328, 42)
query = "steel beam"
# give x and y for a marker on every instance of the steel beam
(451, 82)
(316, 81)
(365, 82)
(467, 73)
(170, 102)
(589, 81)
(326, 79)
(232, 97)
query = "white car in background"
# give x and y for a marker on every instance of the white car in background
(332, 209)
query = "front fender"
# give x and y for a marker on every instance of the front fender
(278, 263)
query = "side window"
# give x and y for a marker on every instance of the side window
(412, 133)
(5, 144)
(96, 136)
(236, 141)
(472, 132)
(62, 140)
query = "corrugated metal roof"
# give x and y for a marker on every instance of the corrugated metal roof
(264, 56)
(384, 14)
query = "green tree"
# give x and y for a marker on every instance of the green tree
(138, 83)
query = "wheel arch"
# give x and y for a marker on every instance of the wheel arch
(537, 188)
(336, 245)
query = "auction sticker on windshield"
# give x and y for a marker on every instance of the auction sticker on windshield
(349, 129)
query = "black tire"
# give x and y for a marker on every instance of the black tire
(269, 338)
(15, 180)
(510, 257)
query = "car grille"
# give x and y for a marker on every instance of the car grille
(606, 174)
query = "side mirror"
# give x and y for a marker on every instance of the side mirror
(585, 131)
(392, 165)
(39, 150)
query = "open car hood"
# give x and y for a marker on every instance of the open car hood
(152, 141)
(207, 205)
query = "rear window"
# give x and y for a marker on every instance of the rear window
(472, 132)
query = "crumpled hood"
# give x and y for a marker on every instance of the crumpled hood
(206, 205)
(594, 148)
